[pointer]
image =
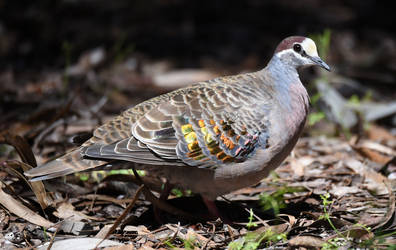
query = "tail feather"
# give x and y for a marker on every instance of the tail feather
(71, 162)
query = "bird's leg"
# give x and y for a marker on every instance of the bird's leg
(163, 205)
(214, 211)
(163, 197)
(166, 191)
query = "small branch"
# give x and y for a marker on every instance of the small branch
(122, 216)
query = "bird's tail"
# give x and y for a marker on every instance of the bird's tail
(69, 163)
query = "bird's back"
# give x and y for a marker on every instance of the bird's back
(225, 115)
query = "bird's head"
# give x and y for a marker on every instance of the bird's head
(299, 51)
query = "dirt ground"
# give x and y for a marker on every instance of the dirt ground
(67, 67)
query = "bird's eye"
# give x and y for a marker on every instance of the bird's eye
(297, 48)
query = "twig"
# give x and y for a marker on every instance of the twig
(53, 237)
(46, 131)
(230, 232)
(176, 232)
(247, 210)
(122, 216)
(93, 202)
(211, 236)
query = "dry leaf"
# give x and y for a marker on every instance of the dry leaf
(374, 151)
(376, 133)
(298, 165)
(126, 247)
(340, 191)
(20, 145)
(306, 241)
(66, 211)
(17, 208)
(37, 187)
(373, 180)
(80, 244)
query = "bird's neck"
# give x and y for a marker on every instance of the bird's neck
(286, 82)
(282, 74)
(290, 93)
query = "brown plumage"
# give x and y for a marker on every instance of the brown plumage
(212, 137)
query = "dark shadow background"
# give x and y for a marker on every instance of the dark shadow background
(40, 39)
(33, 32)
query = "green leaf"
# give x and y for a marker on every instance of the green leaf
(251, 223)
(315, 117)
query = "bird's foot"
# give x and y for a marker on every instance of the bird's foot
(214, 211)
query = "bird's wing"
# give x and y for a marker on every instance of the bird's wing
(211, 123)
(206, 125)
(111, 132)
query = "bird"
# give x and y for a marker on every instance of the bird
(211, 137)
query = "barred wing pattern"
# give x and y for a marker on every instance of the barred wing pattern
(210, 123)
(206, 125)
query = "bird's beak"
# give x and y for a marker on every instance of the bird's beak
(320, 62)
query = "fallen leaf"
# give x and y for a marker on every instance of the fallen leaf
(104, 231)
(374, 151)
(373, 181)
(127, 247)
(20, 145)
(376, 133)
(17, 208)
(360, 233)
(298, 165)
(79, 244)
(306, 241)
(340, 191)
(66, 211)
(190, 235)
(37, 187)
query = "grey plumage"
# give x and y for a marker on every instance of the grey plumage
(212, 137)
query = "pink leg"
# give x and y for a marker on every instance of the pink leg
(163, 197)
(214, 211)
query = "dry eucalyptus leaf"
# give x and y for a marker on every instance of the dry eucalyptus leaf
(17, 208)
(306, 241)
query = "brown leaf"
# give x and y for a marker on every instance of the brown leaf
(278, 228)
(37, 187)
(340, 191)
(374, 151)
(126, 247)
(104, 231)
(373, 180)
(20, 145)
(376, 133)
(298, 165)
(67, 211)
(29, 161)
(369, 220)
(306, 241)
(4, 219)
(17, 208)
(360, 233)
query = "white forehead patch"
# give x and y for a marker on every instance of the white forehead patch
(309, 47)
